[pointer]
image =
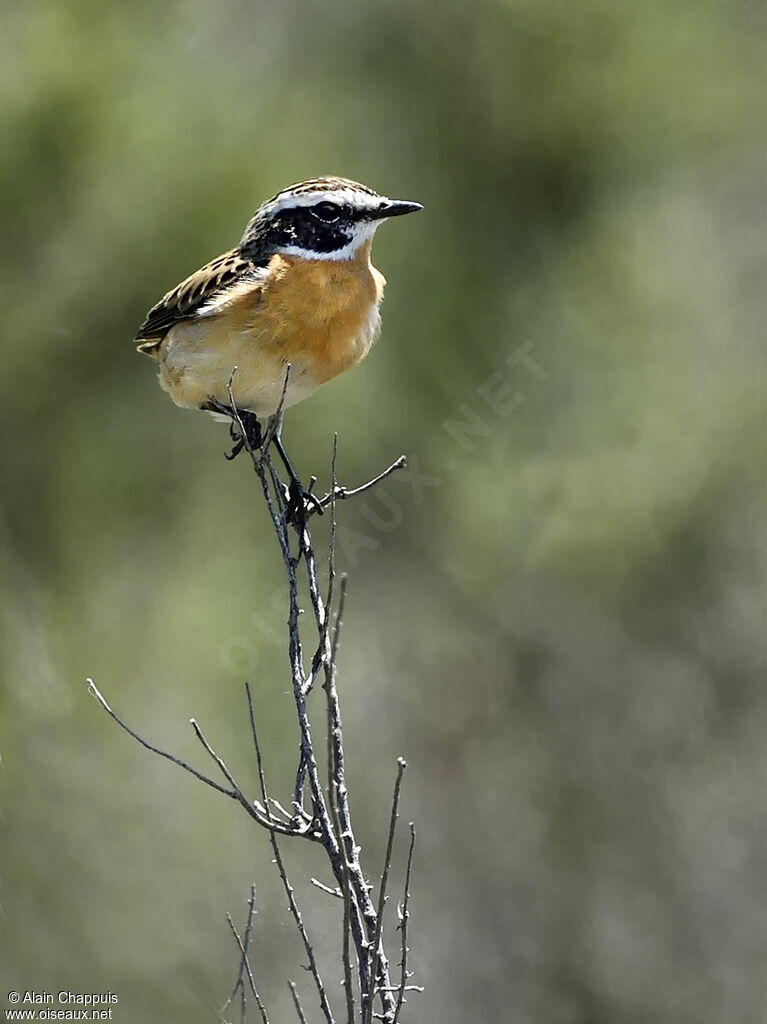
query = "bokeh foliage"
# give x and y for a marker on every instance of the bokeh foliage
(565, 635)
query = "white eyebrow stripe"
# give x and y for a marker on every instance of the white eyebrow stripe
(342, 196)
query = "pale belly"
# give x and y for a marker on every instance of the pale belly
(198, 359)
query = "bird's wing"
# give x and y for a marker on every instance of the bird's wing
(188, 298)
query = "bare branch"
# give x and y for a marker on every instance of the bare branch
(94, 691)
(401, 766)
(326, 651)
(326, 888)
(404, 919)
(235, 793)
(295, 912)
(328, 820)
(361, 905)
(298, 918)
(271, 487)
(214, 756)
(297, 1002)
(343, 493)
(245, 967)
(286, 814)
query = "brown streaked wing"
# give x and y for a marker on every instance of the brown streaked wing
(189, 296)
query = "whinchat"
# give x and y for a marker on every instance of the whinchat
(299, 289)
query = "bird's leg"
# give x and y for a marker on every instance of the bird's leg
(300, 499)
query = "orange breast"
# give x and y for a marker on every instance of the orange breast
(319, 313)
(321, 316)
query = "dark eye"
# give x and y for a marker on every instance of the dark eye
(327, 212)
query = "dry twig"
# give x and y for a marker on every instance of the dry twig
(327, 821)
(245, 968)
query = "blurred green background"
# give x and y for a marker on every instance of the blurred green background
(563, 629)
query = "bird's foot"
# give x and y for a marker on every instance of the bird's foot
(246, 432)
(250, 436)
(300, 503)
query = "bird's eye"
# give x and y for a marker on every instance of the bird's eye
(327, 212)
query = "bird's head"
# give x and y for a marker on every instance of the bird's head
(320, 219)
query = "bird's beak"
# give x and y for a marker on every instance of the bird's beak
(394, 208)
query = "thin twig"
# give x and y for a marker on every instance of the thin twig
(276, 420)
(346, 868)
(308, 762)
(326, 652)
(362, 904)
(94, 691)
(268, 437)
(326, 888)
(256, 745)
(244, 945)
(295, 912)
(287, 814)
(322, 610)
(339, 620)
(235, 793)
(401, 766)
(298, 789)
(344, 493)
(298, 918)
(297, 1002)
(267, 821)
(404, 918)
(214, 756)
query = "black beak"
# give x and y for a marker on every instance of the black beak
(394, 208)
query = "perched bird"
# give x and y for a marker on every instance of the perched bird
(298, 290)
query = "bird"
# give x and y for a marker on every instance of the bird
(292, 305)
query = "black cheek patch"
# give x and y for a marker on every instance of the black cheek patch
(298, 227)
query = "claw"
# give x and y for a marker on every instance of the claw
(300, 503)
(239, 444)
(250, 436)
